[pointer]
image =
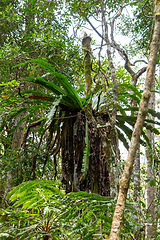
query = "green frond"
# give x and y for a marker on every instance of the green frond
(65, 84)
(134, 97)
(125, 129)
(133, 88)
(13, 115)
(121, 110)
(122, 97)
(154, 113)
(68, 101)
(34, 193)
(25, 117)
(128, 119)
(21, 64)
(44, 64)
(122, 138)
(61, 78)
(151, 128)
(146, 139)
(49, 85)
(74, 100)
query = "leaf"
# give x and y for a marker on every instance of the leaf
(13, 115)
(153, 182)
(21, 64)
(61, 78)
(53, 109)
(34, 194)
(68, 87)
(125, 129)
(49, 85)
(133, 88)
(122, 139)
(121, 110)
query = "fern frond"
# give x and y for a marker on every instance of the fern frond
(34, 193)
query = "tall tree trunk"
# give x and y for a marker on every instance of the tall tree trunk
(136, 176)
(151, 190)
(86, 46)
(16, 144)
(112, 166)
(125, 180)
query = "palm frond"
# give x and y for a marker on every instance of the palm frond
(122, 138)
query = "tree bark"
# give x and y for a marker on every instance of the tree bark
(16, 144)
(136, 196)
(151, 190)
(143, 109)
(86, 46)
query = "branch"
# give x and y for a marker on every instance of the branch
(94, 28)
(143, 11)
(113, 21)
(113, 74)
(139, 61)
(140, 72)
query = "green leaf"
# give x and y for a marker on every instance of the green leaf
(49, 85)
(153, 182)
(122, 139)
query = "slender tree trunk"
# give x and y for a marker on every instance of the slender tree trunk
(125, 180)
(151, 190)
(16, 143)
(137, 206)
(86, 46)
(112, 165)
(136, 177)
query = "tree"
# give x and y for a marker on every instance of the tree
(124, 183)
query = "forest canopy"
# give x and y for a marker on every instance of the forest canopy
(79, 119)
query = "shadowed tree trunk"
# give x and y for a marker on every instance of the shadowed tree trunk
(125, 180)
(16, 144)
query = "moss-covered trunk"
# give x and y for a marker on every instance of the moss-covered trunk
(86, 42)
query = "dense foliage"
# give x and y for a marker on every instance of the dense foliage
(61, 147)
